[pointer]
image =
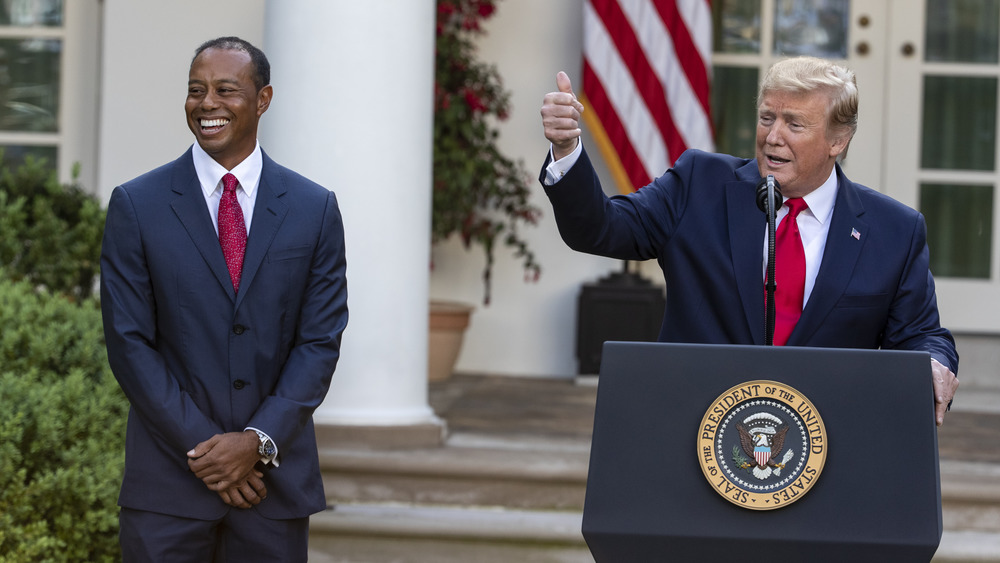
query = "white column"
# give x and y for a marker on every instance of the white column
(352, 110)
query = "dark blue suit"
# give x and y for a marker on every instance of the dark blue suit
(701, 223)
(195, 359)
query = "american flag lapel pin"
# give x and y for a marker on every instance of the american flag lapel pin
(855, 234)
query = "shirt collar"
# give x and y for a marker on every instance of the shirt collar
(821, 200)
(210, 172)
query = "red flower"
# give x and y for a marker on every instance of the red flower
(446, 8)
(473, 100)
(470, 24)
(486, 9)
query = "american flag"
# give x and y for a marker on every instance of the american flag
(646, 67)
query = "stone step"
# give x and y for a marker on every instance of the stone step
(550, 477)
(968, 547)
(382, 533)
(970, 496)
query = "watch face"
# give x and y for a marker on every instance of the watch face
(266, 448)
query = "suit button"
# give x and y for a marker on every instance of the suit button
(239, 384)
(239, 329)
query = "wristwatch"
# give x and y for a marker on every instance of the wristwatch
(266, 448)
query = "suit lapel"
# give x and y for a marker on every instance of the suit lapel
(839, 257)
(269, 212)
(192, 212)
(746, 232)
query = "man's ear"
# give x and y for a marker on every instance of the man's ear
(838, 145)
(264, 99)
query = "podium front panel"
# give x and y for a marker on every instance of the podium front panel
(878, 497)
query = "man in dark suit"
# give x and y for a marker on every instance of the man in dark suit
(224, 297)
(864, 279)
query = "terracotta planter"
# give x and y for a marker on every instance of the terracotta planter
(448, 322)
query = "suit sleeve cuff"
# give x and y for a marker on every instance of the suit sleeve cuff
(558, 168)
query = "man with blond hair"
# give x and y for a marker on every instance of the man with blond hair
(862, 277)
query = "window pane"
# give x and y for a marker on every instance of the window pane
(962, 31)
(734, 109)
(14, 155)
(811, 27)
(736, 26)
(959, 126)
(959, 229)
(31, 12)
(29, 84)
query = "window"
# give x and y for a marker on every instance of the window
(32, 37)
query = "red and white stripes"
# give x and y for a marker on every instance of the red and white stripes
(646, 81)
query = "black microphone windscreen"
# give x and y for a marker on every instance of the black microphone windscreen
(762, 194)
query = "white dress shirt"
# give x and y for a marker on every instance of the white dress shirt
(210, 175)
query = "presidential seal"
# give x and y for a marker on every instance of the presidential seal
(762, 445)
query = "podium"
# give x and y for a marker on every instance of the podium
(649, 494)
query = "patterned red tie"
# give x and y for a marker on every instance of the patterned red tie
(789, 272)
(232, 229)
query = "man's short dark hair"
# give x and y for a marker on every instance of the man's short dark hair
(262, 68)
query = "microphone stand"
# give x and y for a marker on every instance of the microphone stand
(769, 200)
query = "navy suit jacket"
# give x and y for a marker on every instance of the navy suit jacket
(700, 221)
(195, 359)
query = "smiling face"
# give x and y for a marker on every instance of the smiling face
(795, 142)
(223, 106)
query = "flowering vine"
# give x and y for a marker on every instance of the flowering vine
(478, 192)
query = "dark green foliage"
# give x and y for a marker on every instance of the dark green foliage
(51, 232)
(62, 427)
(62, 414)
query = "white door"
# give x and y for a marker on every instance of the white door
(941, 146)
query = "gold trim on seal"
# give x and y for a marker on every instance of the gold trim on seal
(766, 413)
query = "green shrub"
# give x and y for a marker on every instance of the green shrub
(51, 232)
(62, 427)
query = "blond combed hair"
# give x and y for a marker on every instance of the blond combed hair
(810, 74)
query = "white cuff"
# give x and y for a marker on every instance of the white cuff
(558, 168)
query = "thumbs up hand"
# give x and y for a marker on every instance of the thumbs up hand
(561, 117)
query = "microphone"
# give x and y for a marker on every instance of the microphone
(769, 201)
(766, 185)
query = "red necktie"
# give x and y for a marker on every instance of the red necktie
(232, 229)
(789, 272)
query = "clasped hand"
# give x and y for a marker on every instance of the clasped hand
(225, 463)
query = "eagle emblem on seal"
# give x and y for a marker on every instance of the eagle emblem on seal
(762, 437)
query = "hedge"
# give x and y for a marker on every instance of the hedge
(51, 231)
(62, 428)
(62, 414)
